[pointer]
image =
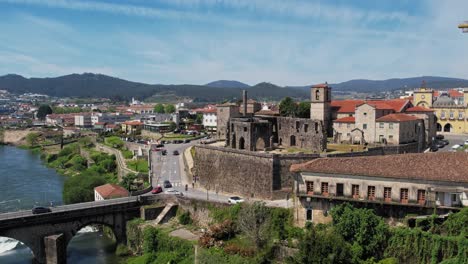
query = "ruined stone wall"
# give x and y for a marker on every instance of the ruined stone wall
(234, 171)
(302, 133)
(245, 172)
(249, 134)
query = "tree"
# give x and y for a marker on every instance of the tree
(322, 245)
(32, 138)
(288, 107)
(128, 180)
(199, 119)
(303, 110)
(253, 221)
(43, 111)
(159, 108)
(169, 109)
(366, 231)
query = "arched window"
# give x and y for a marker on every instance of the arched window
(292, 141)
(241, 143)
(317, 95)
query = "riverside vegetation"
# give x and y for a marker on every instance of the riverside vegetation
(253, 233)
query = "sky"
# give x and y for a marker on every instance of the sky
(292, 42)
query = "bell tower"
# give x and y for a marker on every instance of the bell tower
(320, 109)
(423, 96)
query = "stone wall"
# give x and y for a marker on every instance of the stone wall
(247, 173)
(302, 133)
(384, 150)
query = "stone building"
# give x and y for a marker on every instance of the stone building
(224, 112)
(249, 133)
(301, 132)
(393, 185)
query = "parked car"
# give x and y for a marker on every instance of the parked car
(434, 148)
(455, 147)
(157, 190)
(174, 192)
(440, 144)
(466, 142)
(41, 210)
(439, 137)
(235, 200)
(164, 152)
(175, 153)
(167, 184)
(186, 140)
(446, 142)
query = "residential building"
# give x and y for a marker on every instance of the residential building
(209, 120)
(394, 185)
(83, 121)
(109, 191)
(132, 127)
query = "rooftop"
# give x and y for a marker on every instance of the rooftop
(421, 166)
(111, 191)
(349, 106)
(419, 109)
(347, 119)
(397, 118)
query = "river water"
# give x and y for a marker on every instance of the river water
(25, 182)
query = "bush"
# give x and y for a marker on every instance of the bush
(114, 142)
(185, 219)
(80, 188)
(122, 250)
(127, 154)
(138, 165)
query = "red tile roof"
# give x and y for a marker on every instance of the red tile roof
(133, 123)
(347, 119)
(349, 106)
(397, 118)
(422, 166)
(111, 191)
(320, 85)
(454, 93)
(418, 109)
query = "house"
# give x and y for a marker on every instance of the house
(109, 191)
(209, 119)
(393, 185)
(133, 127)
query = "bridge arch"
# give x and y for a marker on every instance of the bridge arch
(8, 244)
(23, 239)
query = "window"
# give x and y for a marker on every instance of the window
(454, 197)
(387, 195)
(365, 114)
(416, 128)
(348, 134)
(451, 114)
(371, 192)
(355, 190)
(390, 125)
(364, 126)
(390, 137)
(339, 189)
(309, 215)
(279, 127)
(297, 125)
(348, 125)
(421, 196)
(381, 125)
(245, 129)
(317, 95)
(316, 127)
(460, 115)
(324, 188)
(310, 187)
(442, 115)
(306, 127)
(404, 195)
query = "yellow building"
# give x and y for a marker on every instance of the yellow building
(450, 108)
(132, 127)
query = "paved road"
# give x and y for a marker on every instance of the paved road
(453, 140)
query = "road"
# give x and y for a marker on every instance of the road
(453, 140)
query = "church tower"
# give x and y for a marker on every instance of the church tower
(320, 109)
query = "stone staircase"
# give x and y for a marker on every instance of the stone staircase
(169, 211)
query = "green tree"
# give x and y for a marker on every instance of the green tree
(253, 221)
(199, 119)
(288, 107)
(366, 231)
(303, 110)
(169, 109)
(128, 180)
(43, 111)
(32, 139)
(159, 108)
(322, 245)
(80, 188)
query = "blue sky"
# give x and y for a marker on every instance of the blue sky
(198, 41)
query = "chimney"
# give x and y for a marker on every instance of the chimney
(244, 101)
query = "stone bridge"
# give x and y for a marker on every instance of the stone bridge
(47, 235)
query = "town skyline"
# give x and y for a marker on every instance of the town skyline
(289, 43)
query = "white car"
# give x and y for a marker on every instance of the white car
(455, 147)
(235, 200)
(466, 142)
(174, 192)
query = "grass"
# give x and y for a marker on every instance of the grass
(138, 165)
(344, 148)
(296, 150)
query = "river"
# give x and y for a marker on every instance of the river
(25, 182)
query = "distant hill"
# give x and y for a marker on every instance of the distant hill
(363, 85)
(227, 84)
(99, 85)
